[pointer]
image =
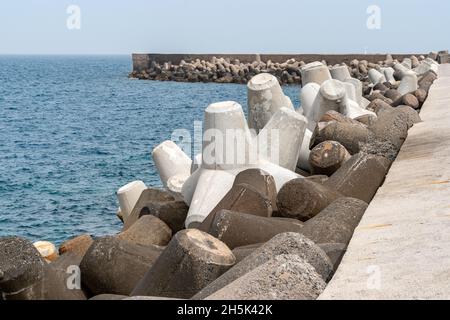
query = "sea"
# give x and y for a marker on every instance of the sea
(74, 129)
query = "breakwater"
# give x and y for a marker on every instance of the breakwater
(265, 211)
(239, 68)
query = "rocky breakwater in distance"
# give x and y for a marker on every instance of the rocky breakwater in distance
(273, 225)
(229, 70)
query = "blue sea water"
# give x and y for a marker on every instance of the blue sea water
(73, 129)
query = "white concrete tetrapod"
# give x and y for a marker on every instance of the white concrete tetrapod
(353, 110)
(427, 65)
(281, 138)
(227, 142)
(196, 162)
(389, 74)
(350, 91)
(308, 95)
(408, 83)
(357, 84)
(280, 175)
(264, 98)
(303, 158)
(376, 76)
(170, 160)
(315, 72)
(400, 69)
(331, 97)
(340, 73)
(211, 187)
(128, 195)
(226, 148)
(407, 62)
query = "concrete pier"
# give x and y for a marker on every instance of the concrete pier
(401, 248)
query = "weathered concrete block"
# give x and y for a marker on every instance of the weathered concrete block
(379, 107)
(161, 204)
(115, 266)
(308, 95)
(47, 250)
(303, 199)
(392, 127)
(190, 262)
(331, 97)
(408, 99)
(427, 80)
(24, 274)
(78, 245)
(262, 181)
(240, 253)
(336, 223)
(376, 76)
(347, 134)
(238, 229)
(284, 243)
(334, 251)
(303, 157)
(285, 277)
(360, 176)
(148, 230)
(327, 157)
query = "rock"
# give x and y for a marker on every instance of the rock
(47, 250)
(360, 176)
(238, 229)
(162, 205)
(284, 243)
(115, 266)
(148, 230)
(348, 135)
(327, 157)
(303, 199)
(189, 263)
(285, 277)
(336, 223)
(78, 245)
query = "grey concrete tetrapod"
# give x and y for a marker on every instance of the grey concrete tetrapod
(389, 74)
(357, 84)
(191, 260)
(281, 138)
(265, 98)
(315, 72)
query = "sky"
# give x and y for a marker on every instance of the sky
(223, 26)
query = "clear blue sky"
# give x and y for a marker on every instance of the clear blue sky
(223, 26)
